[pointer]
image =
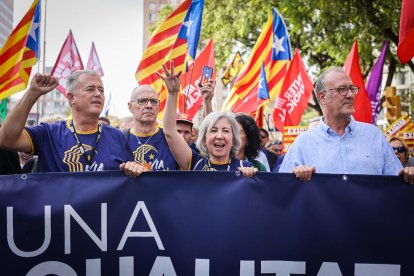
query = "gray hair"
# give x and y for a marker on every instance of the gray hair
(320, 82)
(138, 89)
(209, 122)
(52, 119)
(73, 79)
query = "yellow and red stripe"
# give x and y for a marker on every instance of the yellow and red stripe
(246, 83)
(162, 48)
(16, 60)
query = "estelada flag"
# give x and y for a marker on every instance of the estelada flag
(294, 96)
(190, 80)
(176, 39)
(67, 62)
(262, 97)
(20, 52)
(362, 103)
(273, 49)
(406, 37)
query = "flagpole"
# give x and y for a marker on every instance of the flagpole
(44, 40)
(43, 54)
(185, 85)
(188, 90)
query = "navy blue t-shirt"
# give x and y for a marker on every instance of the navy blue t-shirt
(58, 151)
(152, 148)
(201, 163)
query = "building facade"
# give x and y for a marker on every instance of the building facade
(152, 10)
(6, 20)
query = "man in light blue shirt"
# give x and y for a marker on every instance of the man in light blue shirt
(341, 145)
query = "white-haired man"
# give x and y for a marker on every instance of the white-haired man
(340, 144)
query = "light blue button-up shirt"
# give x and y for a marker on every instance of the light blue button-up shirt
(362, 149)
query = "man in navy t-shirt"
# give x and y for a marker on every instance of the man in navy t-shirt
(145, 138)
(80, 144)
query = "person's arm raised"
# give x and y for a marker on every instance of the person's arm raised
(11, 132)
(178, 146)
(207, 91)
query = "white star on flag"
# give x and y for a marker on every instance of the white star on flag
(278, 45)
(33, 28)
(188, 25)
(261, 83)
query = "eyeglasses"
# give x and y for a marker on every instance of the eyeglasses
(277, 142)
(343, 90)
(145, 101)
(399, 149)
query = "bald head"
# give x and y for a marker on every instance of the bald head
(320, 84)
(147, 89)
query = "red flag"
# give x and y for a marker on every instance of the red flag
(362, 103)
(67, 62)
(93, 61)
(192, 78)
(406, 39)
(259, 117)
(294, 96)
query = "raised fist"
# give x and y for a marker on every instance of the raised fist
(43, 83)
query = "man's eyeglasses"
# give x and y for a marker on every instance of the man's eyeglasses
(399, 149)
(343, 90)
(145, 101)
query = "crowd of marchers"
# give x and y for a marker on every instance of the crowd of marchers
(226, 141)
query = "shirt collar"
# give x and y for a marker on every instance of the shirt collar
(350, 128)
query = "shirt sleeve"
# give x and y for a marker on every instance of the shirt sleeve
(36, 134)
(291, 159)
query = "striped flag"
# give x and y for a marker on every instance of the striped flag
(93, 61)
(20, 52)
(67, 62)
(273, 49)
(172, 40)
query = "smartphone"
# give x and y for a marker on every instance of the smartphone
(206, 74)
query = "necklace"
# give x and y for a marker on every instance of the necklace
(146, 142)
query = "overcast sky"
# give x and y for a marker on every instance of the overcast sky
(114, 25)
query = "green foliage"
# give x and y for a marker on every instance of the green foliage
(323, 30)
(164, 13)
